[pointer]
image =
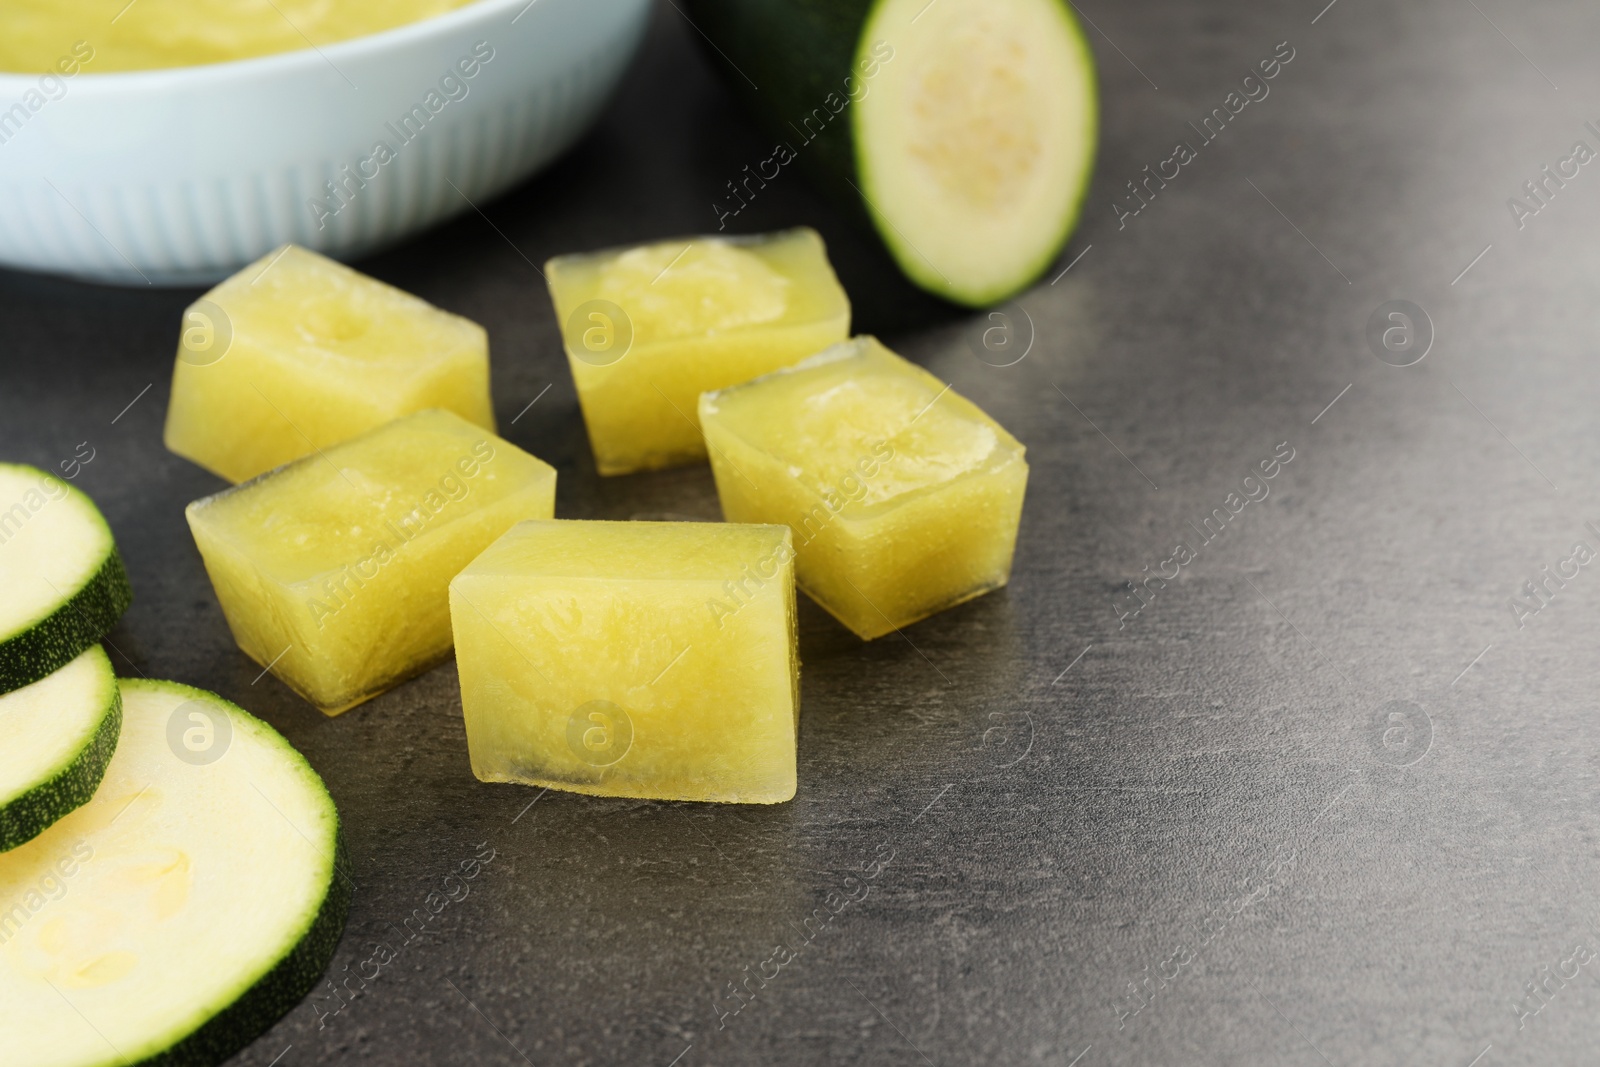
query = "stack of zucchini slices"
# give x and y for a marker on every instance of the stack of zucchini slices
(61, 711)
(170, 879)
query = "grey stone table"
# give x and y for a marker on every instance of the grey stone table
(1323, 794)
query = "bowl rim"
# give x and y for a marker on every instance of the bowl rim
(275, 63)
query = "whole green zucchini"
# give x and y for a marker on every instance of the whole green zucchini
(964, 130)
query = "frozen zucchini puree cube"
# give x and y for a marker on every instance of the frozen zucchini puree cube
(333, 571)
(296, 353)
(903, 496)
(632, 659)
(648, 329)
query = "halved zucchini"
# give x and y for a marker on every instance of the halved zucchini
(58, 734)
(63, 580)
(964, 128)
(184, 909)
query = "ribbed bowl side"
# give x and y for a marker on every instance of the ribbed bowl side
(74, 211)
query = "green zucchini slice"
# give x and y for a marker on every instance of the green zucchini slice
(965, 130)
(56, 737)
(184, 909)
(64, 582)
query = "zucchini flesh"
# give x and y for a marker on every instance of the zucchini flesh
(185, 908)
(964, 130)
(58, 735)
(64, 583)
(975, 153)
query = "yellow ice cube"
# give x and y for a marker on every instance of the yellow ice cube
(648, 329)
(903, 496)
(334, 570)
(296, 353)
(637, 659)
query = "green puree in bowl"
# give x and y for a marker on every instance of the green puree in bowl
(45, 36)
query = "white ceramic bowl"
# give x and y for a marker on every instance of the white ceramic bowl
(181, 176)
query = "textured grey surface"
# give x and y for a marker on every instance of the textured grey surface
(1213, 791)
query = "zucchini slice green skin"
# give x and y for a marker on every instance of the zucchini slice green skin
(277, 992)
(60, 637)
(30, 814)
(46, 627)
(295, 974)
(180, 835)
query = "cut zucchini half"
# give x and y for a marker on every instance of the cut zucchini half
(964, 129)
(183, 910)
(58, 734)
(975, 146)
(64, 582)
